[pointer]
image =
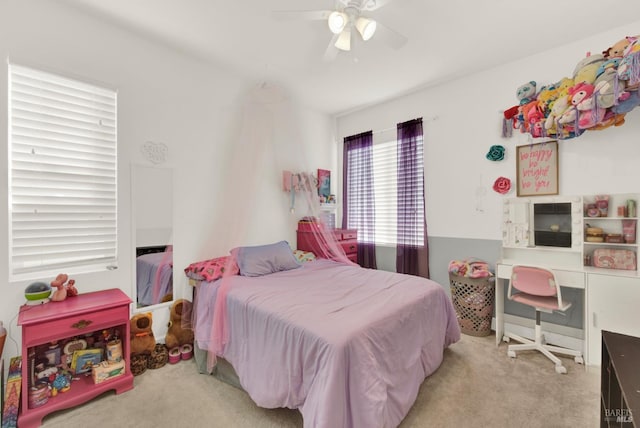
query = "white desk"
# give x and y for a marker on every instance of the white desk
(567, 277)
(611, 302)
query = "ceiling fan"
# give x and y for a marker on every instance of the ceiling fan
(346, 19)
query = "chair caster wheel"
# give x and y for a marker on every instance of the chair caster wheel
(511, 354)
(506, 339)
(561, 369)
(579, 360)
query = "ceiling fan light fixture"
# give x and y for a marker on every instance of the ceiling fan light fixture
(366, 27)
(337, 21)
(344, 41)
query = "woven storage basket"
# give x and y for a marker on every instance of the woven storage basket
(473, 301)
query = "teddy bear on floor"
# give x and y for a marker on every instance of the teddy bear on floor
(142, 338)
(179, 332)
(142, 342)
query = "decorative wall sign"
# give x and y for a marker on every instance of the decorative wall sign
(324, 184)
(537, 169)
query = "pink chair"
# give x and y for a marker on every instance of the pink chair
(539, 288)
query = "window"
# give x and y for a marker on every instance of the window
(384, 159)
(62, 175)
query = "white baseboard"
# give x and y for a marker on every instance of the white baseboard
(554, 334)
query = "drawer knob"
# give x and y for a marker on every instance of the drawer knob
(81, 324)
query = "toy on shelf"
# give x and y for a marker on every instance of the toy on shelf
(37, 293)
(602, 89)
(65, 287)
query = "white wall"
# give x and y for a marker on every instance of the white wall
(197, 110)
(463, 119)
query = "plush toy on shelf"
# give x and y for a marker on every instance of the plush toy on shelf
(602, 89)
(589, 114)
(617, 49)
(526, 92)
(629, 67)
(587, 68)
(65, 287)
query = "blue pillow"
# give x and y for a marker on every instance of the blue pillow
(265, 259)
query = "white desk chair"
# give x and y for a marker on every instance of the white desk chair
(538, 287)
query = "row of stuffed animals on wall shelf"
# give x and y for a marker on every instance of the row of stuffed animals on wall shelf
(601, 91)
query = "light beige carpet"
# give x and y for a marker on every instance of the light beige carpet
(477, 385)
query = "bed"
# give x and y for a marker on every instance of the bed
(154, 274)
(347, 346)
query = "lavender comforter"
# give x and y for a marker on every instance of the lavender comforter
(347, 346)
(154, 277)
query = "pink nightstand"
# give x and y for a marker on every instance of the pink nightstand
(73, 317)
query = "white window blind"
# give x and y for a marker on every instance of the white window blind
(385, 171)
(62, 174)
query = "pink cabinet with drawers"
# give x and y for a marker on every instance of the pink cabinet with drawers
(74, 318)
(347, 238)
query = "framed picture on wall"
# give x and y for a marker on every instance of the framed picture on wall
(324, 184)
(537, 169)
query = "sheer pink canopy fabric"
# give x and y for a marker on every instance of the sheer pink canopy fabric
(258, 159)
(167, 260)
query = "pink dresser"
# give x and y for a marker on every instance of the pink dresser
(347, 238)
(75, 318)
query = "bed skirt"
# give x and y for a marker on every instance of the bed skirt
(223, 370)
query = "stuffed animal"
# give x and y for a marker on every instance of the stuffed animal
(558, 107)
(178, 334)
(526, 93)
(589, 114)
(546, 96)
(609, 89)
(534, 118)
(629, 66)
(562, 101)
(629, 104)
(65, 288)
(617, 50)
(587, 68)
(610, 119)
(142, 339)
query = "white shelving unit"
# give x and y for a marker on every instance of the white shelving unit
(612, 224)
(519, 229)
(611, 295)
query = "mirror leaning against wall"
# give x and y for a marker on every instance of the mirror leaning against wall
(152, 209)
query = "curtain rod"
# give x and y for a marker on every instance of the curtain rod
(380, 131)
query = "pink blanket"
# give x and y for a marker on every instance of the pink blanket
(347, 346)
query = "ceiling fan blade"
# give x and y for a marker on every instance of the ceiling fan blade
(371, 5)
(390, 36)
(313, 15)
(332, 51)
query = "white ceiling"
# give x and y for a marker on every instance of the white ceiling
(446, 39)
